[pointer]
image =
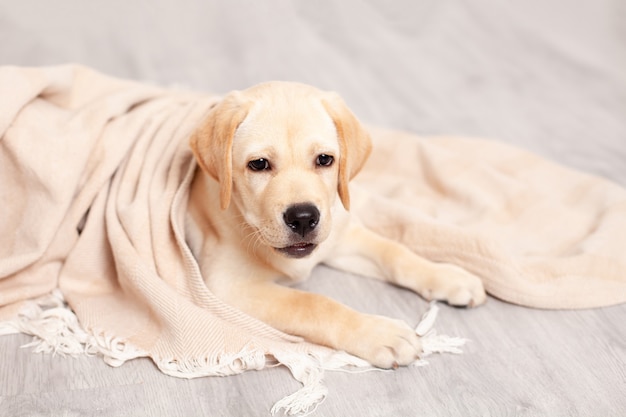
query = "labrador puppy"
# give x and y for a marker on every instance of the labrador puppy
(275, 161)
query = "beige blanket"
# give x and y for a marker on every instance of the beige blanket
(94, 174)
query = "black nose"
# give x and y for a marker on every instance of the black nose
(302, 218)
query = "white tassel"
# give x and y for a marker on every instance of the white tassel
(439, 343)
(428, 319)
(54, 326)
(55, 329)
(114, 351)
(433, 342)
(226, 364)
(309, 371)
(302, 402)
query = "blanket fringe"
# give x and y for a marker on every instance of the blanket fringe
(433, 342)
(56, 330)
(309, 370)
(248, 359)
(54, 327)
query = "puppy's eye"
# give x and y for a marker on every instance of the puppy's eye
(324, 160)
(260, 164)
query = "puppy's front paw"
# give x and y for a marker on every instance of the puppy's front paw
(455, 286)
(384, 342)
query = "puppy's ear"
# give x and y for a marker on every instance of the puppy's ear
(212, 142)
(355, 144)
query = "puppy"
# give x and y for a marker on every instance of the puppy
(271, 197)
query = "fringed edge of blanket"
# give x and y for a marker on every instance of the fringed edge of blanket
(56, 330)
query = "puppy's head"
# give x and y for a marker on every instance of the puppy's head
(282, 152)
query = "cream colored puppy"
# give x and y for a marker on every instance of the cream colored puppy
(275, 164)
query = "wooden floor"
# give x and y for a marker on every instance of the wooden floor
(520, 362)
(546, 75)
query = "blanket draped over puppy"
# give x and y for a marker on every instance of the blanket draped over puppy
(94, 176)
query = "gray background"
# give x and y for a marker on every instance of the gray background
(545, 75)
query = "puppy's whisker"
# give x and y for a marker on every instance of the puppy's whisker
(253, 238)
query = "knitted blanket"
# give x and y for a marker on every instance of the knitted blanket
(94, 176)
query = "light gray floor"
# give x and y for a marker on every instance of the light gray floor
(546, 75)
(520, 362)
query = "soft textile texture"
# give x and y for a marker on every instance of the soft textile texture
(94, 174)
(538, 234)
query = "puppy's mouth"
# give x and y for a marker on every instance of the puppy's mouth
(299, 250)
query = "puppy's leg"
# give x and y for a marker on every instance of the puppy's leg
(383, 342)
(365, 252)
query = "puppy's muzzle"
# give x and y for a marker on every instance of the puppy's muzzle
(302, 218)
